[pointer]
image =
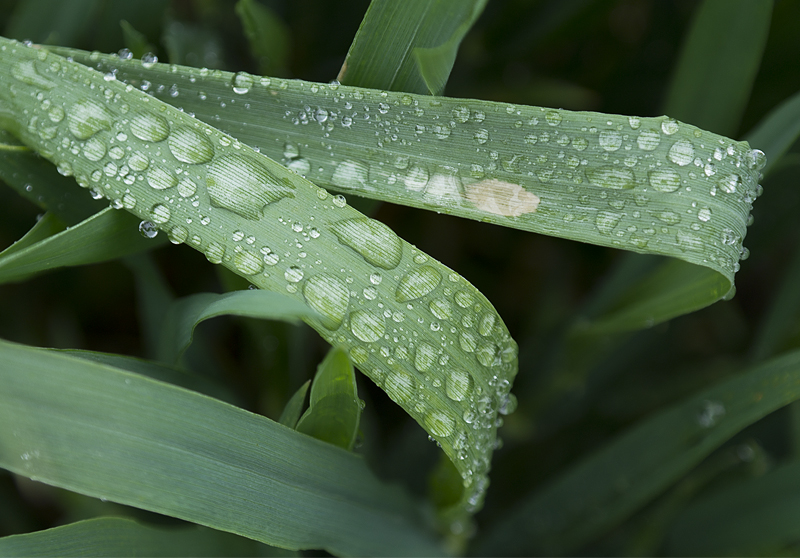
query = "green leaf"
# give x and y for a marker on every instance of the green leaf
(777, 131)
(111, 434)
(718, 63)
(536, 169)
(108, 235)
(135, 41)
(50, 21)
(186, 313)
(640, 464)
(334, 410)
(294, 407)
(267, 34)
(44, 228)
(412, 325)
(753, 518)
(409, 46)
(115, 536)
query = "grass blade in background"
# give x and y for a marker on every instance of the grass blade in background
(419, 330)
(108, 433)
(115, 536)
(186, 313)
(108, 235)
(294, 407)
(649, 185)
(630, 471)
(777, 131)
(267, 34)
(417, 40)
(718, 64)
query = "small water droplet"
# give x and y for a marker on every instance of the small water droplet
(664, 180)
(128, 201)
(669, 126)
(729, 183)
(481, 136)
(241, 83)
(215, 252)
(648, 140)
(247, 262)
(400, 386)
(329, 296)
(148, 229)
(681, 153)
(425, 357)
(441, 309)
(610, 140)
(417, 283)
(553, 118)
(187, 188)
(461, 114)
(160, 213)
(607, 221)
(178, 234)
(86, 118)
(367, 326)
(149, 59)
(373, 240)
(339, 201)
(440, 423)
(417, 178)
(138, 161)
(94, 149)
(293, 274)
(351, 174)
(149, 127)
(160, 178)
(611, 177)
(704, 214)
(711, 413)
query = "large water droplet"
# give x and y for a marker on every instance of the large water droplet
(148, 229)
(190, 146)
(149, 127)
(610, 140)
(27, 73)
(373, 240)
(664, 180)
(418, 283)
(606, 221)
(487, 354)
(670, 126)
(400, 386)
(481, 136)
(367, 326)
(187, 187)
(417, 178)
(610, 177)
(648, 140)
(241, 82)
(729, 182)
(160, 214)
(247, 262)
(440, 423)
(244, 186)
(553, 118)
(138, 161)
(425, 357)
(329, 296)
(293, 274)
(94, 149)
(487, 323)
(215, 252)
(681, 153)
(160, 178)
(178, 234)
(458, 385)
(86, 118)
(441, 309)
(351, 174)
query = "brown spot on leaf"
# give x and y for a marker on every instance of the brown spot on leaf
(502, 198)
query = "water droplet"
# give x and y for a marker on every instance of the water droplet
(293, 274)
(418, 283)
(94, 149)
(606, 221)
(468, 341)
(441, 132)
(509, 404)
(241, 82)
(441, 309)
(487, 323)
(400, 386)
(463, 299)
(190, 146)
(178, 234)
(149, 127)
(160, 178)
(370, 293)
(461, 114)
(458, 385)
(27, 73)
(160, 213)
(367, 326)
(148, 229)
(321, 115)
(329, 296)
(373, 240)
(247, 262)
(553, 118)
(215, 252)
(244, 186)
(339, 201)
(757, 160)
(417, 178)
(351, 174)
(668, 217)
(375, 278)
(704, 214)
(728, 183)
(610, 140)
(86, 118)
(138, 161)
(481, 136)
(425, 357)
(487, 354)
(300, 166)
(128, 201)
(440, 423)
(149, 59)
(669, 126)
(681, 153)
(711, 413)
(610, 177)
(664, 180)
(56, 114)
(187, 188)
(689, 241)
(648, 140)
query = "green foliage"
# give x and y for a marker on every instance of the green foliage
(657, 412)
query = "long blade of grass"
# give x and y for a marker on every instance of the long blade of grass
(640, 464)
(105, 236)
(777, 131)
(417, 40)
(756, 518)
(649, 185)
(108, 433)
(425, 335)
(116, 536)
(718, 63)
(186, 313)
(267, 34)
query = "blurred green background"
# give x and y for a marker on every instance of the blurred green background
(613, 56)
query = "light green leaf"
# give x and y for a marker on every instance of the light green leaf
(267, 34)
(116, 536)
(334, 410)
(719, 62)
(111, 434)
(294, 407)
(624, 182)
(105, 236)
(753, 518)
(408, 322)
(186, 313)
(630, 471)
(417, 42)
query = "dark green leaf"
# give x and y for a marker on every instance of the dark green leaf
(294, 407)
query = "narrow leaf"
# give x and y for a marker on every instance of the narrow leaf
(777, 131)
(267, 34)
(111, 434)
(294, 407)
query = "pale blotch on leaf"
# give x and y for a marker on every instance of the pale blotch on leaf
(502, 198)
